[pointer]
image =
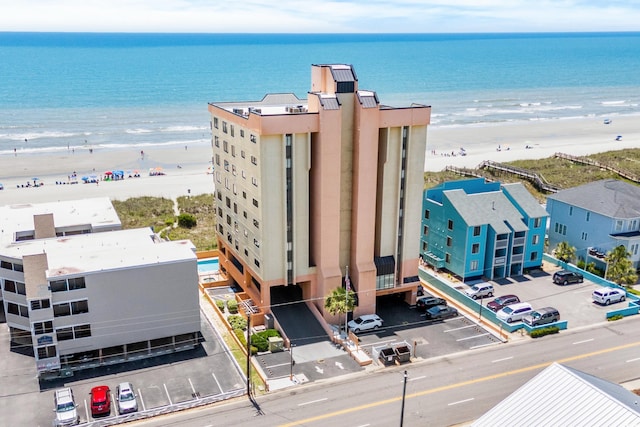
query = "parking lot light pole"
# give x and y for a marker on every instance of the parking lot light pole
(249, 355)
(404, 392)
(291, 361)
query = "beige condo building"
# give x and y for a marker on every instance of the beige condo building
(305, 188)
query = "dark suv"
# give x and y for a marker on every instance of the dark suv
(425, 303)
(564, 277)
(503, 301)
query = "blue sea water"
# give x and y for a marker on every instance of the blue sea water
(60, 90)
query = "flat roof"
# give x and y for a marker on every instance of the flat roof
(114, 250)
(97, 212)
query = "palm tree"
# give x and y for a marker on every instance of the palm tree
(565, 252)
(619, 267)
(340, 302)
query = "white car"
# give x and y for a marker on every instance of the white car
(65, 408)
(365, 322)
(479, 290)
(126, 398)
(608, 296)
(514, 312)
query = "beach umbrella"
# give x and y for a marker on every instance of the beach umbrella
(85, 178)
(108, 173)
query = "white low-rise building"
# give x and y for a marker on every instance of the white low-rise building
(83, 293)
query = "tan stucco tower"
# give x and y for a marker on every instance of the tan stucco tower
(305, 188)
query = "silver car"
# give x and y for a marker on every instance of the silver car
(126, 398)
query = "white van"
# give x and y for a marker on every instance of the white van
(514, 312)
(480, 290)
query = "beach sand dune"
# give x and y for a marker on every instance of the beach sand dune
(186, 169)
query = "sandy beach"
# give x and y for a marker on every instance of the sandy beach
(186, 169)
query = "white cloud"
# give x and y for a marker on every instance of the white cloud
(311, 16)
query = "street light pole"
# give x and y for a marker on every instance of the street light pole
(404, 392)
(291, 361)
(249, 355)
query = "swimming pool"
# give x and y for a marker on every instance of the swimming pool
(208, 265)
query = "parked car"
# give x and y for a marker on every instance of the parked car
(565, 277)
(440, 312)
(542, 316)
(479, 290)
(514, 312)
(425, 303)
(126, 398)
(365, 322)
(608, 296)
(100, 401)
(65, 408)
(502, 301)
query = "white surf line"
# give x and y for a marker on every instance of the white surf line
(633, 360)
(460, 328)
(472, 337)
(144, 408)
(416, 378)
(167, 391)
(583, 341)
(216, 380)
(502, 360)
(193, 389)
(461, 401)
(313, 401)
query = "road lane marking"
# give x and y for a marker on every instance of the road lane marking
(583, 341)
(472, 337)
(460, 328)
(633, 360)
(144, 408)
(313, 401)
(460, 401)
(167, 391)
(306, 421)
(502, 360)
(416, 378)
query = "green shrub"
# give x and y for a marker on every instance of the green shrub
(220, 304)
(169, 222)
(615, 317)
(237, 322)
(544, 331)
(187, 220)
(261, 339)
(232, 305)
(243, 340)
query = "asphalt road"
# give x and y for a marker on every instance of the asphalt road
(442, 391)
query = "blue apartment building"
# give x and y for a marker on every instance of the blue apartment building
(595, 218)
(474, 229)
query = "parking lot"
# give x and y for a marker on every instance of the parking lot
(205, 373)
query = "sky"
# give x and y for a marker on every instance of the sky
(319, 16)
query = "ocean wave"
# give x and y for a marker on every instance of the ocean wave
(37, 135)
(184, 128)
(138, 131)
(612, 103)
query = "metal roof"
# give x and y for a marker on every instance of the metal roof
(563, 396)
(525, 200)
(609, 197)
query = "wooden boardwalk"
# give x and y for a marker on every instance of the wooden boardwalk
(588, 161)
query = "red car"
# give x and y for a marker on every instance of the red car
(100, 400)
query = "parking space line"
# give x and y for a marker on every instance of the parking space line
(216, 380)
(460, 328)
(313, 401)
(144, 408)
(86, 410)
(583, 341)
(279, 364)
(633, 360)
(461, 401)
(484, 345)
(472, 337)
(193, 389)
(167, 392)
(502, 360)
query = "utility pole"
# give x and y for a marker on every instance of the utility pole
(404, 392)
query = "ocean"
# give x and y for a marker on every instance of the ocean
(62, 91)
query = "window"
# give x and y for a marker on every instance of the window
(476, 230)
(241, 133)
(82, 331)
(215, 122)
(427, 213)
(43, 328)
(242, 154)
(232, 130)
(475, 248)
(216, 140)
(256, 243)
(425, 230)
(570, 210)
(255, 203)
(46, 352)
(60, 310)
(619, 225)
(233, 150)
(534, 256)
(256, 224)
(12, 308)
(424, 246)
(76, 283)
(254, 160)
(225, 146)
(254, 181)
(58, 285)
(535, 240)
(64, 334)
(447, 258)
(450, 224)
(40, 304)
(18, 267)
(224, 126)
(10, 286)
(588, 216)
(6, 265)
(256, 262)
(80, 307)
(538, 222)
(253, 138)
(474, 265)
(449, 241)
